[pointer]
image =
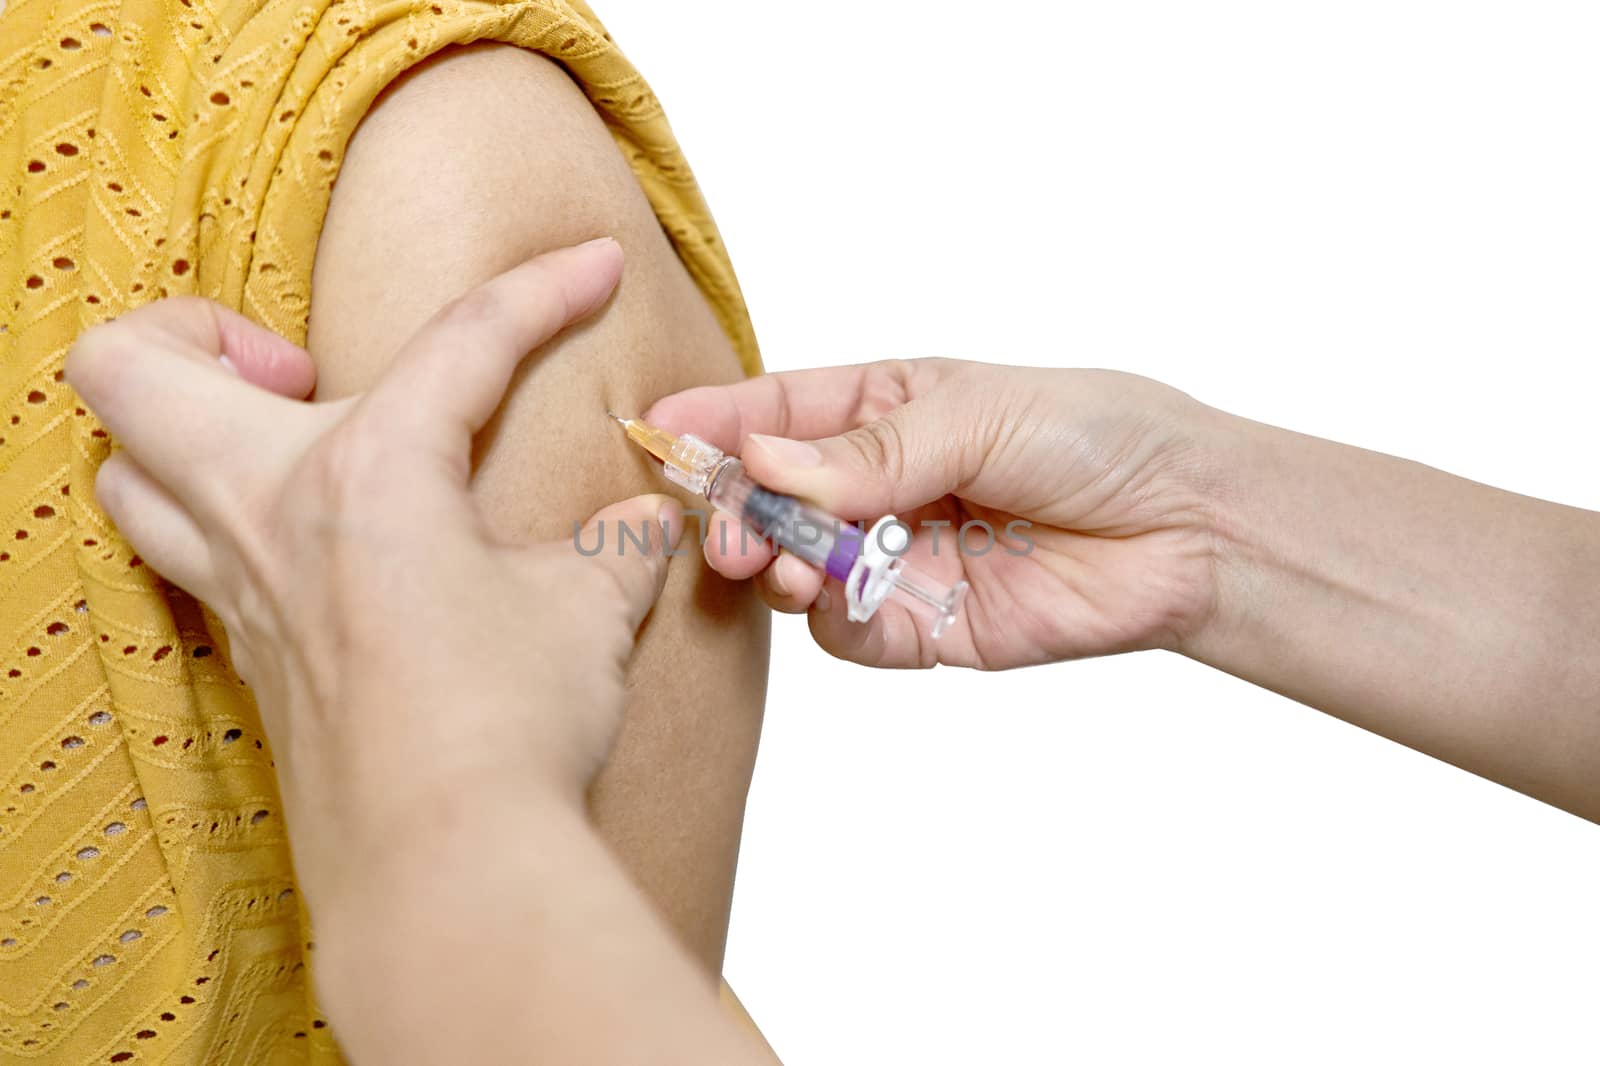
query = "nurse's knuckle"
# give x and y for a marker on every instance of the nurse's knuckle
(606, 583)
(880, 448)
(353, 463)
(95, 354)
(181, 307)
(474, 310)
(887, 385)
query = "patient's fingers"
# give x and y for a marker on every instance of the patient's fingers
(800, 404)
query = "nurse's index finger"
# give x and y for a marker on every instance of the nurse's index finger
(451, 377)
(207, 331)
(799, 404)
(153, 377)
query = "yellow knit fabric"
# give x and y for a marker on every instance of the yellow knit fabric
(147, 148)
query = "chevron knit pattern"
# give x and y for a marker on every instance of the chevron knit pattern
(148, 148)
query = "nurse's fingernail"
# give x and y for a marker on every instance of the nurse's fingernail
(776, 580)
(785, 451)
(227, 364)
(671, 519)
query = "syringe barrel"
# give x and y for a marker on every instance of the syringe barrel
(870, 565)
(826, 542)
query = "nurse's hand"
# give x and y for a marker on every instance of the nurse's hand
(1094, 473)
(398, 653)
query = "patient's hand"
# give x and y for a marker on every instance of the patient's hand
(386, 632)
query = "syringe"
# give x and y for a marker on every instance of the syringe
(870, 565)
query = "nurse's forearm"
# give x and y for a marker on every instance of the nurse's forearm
(1455, 618)
(498, 928)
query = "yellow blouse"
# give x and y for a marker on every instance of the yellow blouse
(148, 148)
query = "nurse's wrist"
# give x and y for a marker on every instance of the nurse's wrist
(1226, 469)
(456, 907)
(1276, 525)
(381, 824)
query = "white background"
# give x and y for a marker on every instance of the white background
(1376, 222)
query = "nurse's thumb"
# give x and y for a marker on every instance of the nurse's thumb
(633, 542)
(916, 453)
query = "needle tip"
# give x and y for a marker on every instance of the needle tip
(617, 417)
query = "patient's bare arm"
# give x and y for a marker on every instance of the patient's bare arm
(477, 160)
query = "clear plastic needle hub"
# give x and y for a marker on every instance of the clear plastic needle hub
(870, 565)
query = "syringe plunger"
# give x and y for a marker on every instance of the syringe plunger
(871, 565)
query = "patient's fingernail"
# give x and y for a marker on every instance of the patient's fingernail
(227, 364)
(824, 601)
(597, 242)
(786, 451)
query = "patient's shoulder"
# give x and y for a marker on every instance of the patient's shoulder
(483, 135)
(471, 162)
(474, 161)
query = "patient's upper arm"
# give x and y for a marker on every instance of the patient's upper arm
(479, 159)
